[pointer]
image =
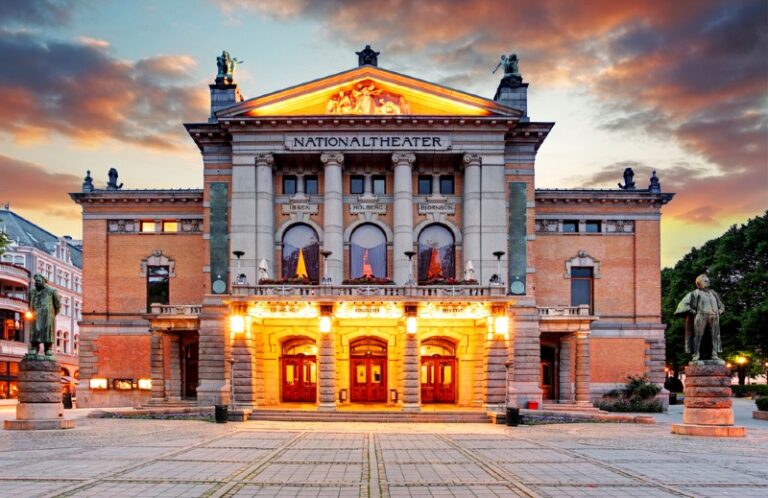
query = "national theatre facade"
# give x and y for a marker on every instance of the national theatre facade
(368, 238)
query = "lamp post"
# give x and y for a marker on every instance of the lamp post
(241, 278)
(498, 255)
(326, 280)
(410, 255)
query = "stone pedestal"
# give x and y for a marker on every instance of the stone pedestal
(39, 405)
(708, 407)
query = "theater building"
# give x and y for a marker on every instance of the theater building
(368, 238)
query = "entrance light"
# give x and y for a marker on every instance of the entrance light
(410, 325)
(501, 325)
(325, 324)
(237, 324)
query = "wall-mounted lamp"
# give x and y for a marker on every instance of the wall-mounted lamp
(500, 320)
(411, 323)
(325, 318)
(393, 395)
(410, 255)
(343, 395)
(237, 319)
(241, 279)
(326, 280)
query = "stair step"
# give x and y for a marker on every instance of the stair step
(352, 416)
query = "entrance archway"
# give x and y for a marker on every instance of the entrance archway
(438, 371)
(368, 370)
(298, 370)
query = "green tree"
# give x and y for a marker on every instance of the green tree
(3, 242)
(737, 265)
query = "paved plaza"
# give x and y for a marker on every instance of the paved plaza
(163, 458)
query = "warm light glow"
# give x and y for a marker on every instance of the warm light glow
(411, 326)
(237, 324)
(501, 325)
(29, 315)
(453, 310)
(283, 310)
(98, 383)
(325, 324)
(349, 309)
(728, 365)
(741, 360)
(145, 384)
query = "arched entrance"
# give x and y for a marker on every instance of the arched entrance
(368, 370)
(298, 370)
(438, 371)
(548, 372)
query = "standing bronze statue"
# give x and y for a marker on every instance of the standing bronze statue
(702, 309)
(44, 303)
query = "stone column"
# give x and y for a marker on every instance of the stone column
(411, 385)
(495, 371)
(174, 387)
(157, 365)
(242, 374)
(213, 366)
(326, 378)
(242, 222)
(435, 184)
(333, 215)
(582, 368)
(367, 185)
(403, 214)
(525, 357)
(471, 212)
(566, 382)
(265, 211)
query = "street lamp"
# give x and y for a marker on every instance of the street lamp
(241, 279)
(498, 255)
(410, 255)
(326, 280)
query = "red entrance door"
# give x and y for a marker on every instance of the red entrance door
(299, 374)
(368, 377)
(438, 379)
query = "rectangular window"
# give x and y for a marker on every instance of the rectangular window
(593, 227)
(582, 287)
(446, 185)
(311, 186)
(170, 226)
(379, 185)
(356, 184)
(148, 226)
(157, 285)
(289, 184)
(570, 226)
(425, 185)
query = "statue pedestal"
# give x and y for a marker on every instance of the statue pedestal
(39, 405)
(708, 407)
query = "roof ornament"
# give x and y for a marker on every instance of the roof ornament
(226, 68)
(509, 64)
(368, 57)
(629, 180)
(112, 183)
(655, 185)
(88, 182)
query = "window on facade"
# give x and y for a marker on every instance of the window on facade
(593, 227)
(66, 280)
(148, 226)
(356, 184)
(78, 311)
(301, 253)
(379, 185)
(570, 226)
(76, 343)
(65, 343)
(58, 341)
(9, 376)
(77, 285)
(368, 252)
(582, 281)
(49, 273)
(425, 185)
(158, 283)
(12, 326)
(446, 185)
(289, 184)
(311, 185)
(437, 254)
(65, 306)
(170, 226)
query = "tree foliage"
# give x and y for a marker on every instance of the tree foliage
(4, 241)
(737, 265)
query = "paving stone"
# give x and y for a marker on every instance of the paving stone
(144, 490)
(309, 473)
(185, 471)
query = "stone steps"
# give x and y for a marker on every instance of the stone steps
(370, 416)
(569, 407)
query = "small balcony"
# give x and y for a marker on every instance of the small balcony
(385, 291)
(12, 303)
(14, 273)
(172, 310)
(563, 311)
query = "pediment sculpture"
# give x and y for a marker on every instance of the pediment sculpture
(367, 98)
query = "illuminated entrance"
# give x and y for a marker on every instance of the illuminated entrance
(438, 371)
(298, 366)
(368, 370)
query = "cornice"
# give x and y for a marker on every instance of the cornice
(181, 196)
(591, 196)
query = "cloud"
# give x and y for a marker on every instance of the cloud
(78, 90)
(33, 188)
(38, 12)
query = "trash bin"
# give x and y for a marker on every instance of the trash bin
(66, 400)
(221, 414)
(513, 417)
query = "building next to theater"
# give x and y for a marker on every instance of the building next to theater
(368, 237)
(31, 250)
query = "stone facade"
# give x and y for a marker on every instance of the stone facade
(474, 280)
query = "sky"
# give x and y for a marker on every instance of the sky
(680, 87)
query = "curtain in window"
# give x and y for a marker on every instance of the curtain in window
(437, 254)
(368, 249)
(301, 238)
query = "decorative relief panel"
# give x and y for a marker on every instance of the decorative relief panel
(367, 98)
(190, 226)
(123, 226)
(619, 226)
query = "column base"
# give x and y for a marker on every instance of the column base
(709, 430)
(38, 425)
(326, 407)
(411, 407)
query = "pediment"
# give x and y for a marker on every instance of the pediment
(368, 90)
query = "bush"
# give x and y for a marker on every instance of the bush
(753, 390)
(762, 403)
(638, 395)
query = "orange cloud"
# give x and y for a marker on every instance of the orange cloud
(30, 187)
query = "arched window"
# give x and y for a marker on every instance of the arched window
(301, 253)
(437, 254)
(76, 344)
(58, 341)
(65, 343)
(368, 252)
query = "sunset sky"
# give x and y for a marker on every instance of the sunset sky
(680, 87)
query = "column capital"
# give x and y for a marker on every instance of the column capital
(472, 159)
(265, 160)
(332, 158)
(403, 158)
